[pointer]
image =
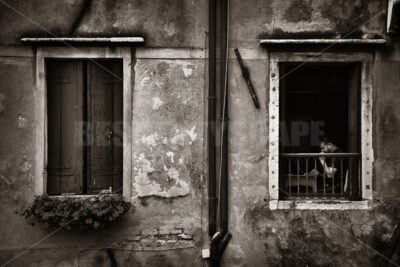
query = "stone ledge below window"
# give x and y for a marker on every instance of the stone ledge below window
(319, 204)
(82, 195)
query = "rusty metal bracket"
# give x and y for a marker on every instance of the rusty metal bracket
(246, 76)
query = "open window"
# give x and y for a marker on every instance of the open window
(84, 126)
(314, 96)
(320, 130)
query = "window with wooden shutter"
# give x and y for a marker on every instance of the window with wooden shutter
(84, 111)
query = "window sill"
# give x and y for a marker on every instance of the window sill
(319, 205)
(81, 196)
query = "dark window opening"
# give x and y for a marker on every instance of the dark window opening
(84, 122)
(394, 20)
(320, 111)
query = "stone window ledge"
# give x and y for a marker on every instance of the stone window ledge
(81, 196)
(84, 40)
(319, 204)
(270, 42)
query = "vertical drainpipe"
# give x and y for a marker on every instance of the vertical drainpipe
(223, 198)
(218, 209)
(212, 192)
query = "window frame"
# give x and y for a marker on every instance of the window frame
(366, 61)
(40, 95)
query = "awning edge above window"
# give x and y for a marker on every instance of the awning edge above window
(84, 40)
(272, 42)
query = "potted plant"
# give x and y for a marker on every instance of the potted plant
(92, 212)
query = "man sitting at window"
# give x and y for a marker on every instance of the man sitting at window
(329, 168)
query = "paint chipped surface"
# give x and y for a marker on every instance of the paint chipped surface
(149, 175)
(157, 103)
(187, 69)
(167, 144)
(170, 29)
(150, 140)
(192, 134)
(145, 81)
(179, 139)
(170, 154)
(163, 176)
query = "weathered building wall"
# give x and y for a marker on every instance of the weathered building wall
(168, 133)
(262, 237)
(163, 23)
(168, 171)
(169, 137)
(252, 20)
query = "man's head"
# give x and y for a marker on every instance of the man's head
(327, 146)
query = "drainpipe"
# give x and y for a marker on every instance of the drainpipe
(223, 188)
(221, 238)
(212, 192)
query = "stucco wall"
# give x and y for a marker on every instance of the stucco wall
(164, 23)
(267, 237)
(168, 167)
(169, 142)
(262, 237)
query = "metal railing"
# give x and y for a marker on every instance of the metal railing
(320, 175)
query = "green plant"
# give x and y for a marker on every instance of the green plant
(71, 212)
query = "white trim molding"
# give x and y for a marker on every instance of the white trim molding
(367, 155)
(43, 53)
(52, 40)
(322, 41)
(319, 205)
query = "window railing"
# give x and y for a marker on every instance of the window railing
(320, 175)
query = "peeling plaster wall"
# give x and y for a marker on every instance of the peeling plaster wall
(168, 170)
(168, 155)
(168, 226)
(168, 133)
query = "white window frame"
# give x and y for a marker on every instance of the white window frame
(40, 94)
(367, 155)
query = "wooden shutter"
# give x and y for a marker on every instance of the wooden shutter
(65, 122)
(105, 119)
(354, 110)
(354, 136)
